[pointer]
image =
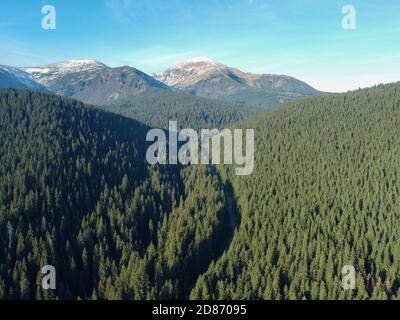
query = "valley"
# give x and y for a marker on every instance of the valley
(76, 191)
(199, 158)
(75, 183)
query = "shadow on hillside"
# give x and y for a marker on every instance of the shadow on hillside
(224, 235)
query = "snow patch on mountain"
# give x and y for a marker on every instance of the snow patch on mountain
(208, 78)
(46, 74)
(188, 72)
(22, 77)
(191, 72)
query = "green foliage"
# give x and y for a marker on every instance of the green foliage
(77, 193)
(155, 109)
(324, 194)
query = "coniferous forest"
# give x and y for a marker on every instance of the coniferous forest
(77, 193)
(157, 108)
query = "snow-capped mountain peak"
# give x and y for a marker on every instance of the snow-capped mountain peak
(188, 72)
(47, 73)
(207, 78)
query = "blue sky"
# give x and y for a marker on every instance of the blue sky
(301, 38)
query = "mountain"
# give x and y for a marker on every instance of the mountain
(93, 82)
(47, 74)
(11, 77)
(128, 91)
(207, 78)
(77, 193)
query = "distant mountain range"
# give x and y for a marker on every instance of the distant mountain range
(93, 82)
(89, 81)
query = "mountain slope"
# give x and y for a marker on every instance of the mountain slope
(157, 108)
(11, 77)
(324, 194)
(47, 74)
(207, 78)
(76, 193)
(130, 92)
(93, 82)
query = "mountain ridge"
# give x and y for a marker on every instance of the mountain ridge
(14, 77)
(87, 80)
(208, 78)
(47, 73)
(94, 82)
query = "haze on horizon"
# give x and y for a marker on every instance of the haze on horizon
(300, 38)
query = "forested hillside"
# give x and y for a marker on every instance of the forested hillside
(325, 193)
(76, 193)
(156, 108)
